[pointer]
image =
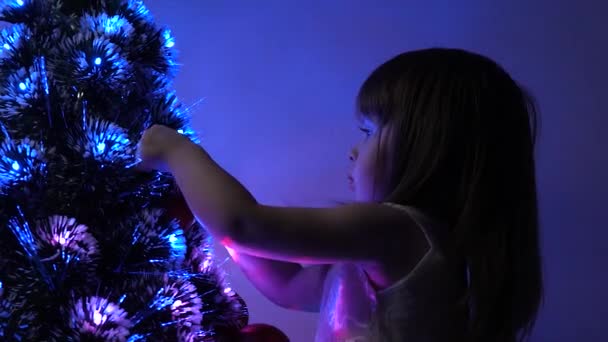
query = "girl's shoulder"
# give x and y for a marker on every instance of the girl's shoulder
(395, 268)
(433, 229)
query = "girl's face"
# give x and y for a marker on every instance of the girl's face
(364, 178)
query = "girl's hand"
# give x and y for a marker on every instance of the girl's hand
(156, 145)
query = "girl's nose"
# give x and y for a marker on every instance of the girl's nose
(352, 156)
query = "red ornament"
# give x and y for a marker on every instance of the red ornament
(178, 208)
(262, 333)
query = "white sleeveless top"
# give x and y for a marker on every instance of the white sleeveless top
(421, 307)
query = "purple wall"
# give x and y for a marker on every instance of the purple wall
(278, 80)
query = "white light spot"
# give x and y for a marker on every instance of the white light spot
(176, 304)
(97, 317)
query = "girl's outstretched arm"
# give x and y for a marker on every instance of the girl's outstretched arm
(357, 232)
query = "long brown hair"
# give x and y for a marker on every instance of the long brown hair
(462, 135)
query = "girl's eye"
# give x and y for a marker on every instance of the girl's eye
(366, 131)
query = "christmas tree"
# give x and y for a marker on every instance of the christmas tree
(88, 251)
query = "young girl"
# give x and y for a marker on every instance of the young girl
(442, 244)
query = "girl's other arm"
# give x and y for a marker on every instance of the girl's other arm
(286, 284)
(289, 285)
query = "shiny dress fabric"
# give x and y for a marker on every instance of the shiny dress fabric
(421, 307)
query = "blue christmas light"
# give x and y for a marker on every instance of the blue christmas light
(97, 61)
(19, 160)
(113, 24)
(44, 76)
(189, 133)
(161, 301)
(12, 37)
(101, 147)
(20, 2)
(139, 8)
(172, 238)
(169, 41)
(177, 242)
(137, 337)
(22, 86)
(104, 141)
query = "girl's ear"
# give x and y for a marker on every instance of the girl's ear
(178, 209)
